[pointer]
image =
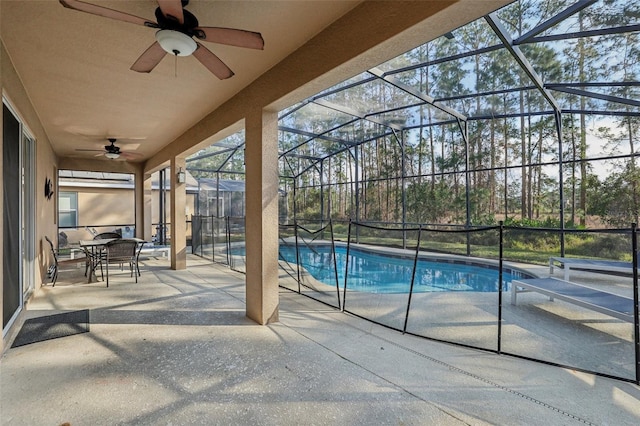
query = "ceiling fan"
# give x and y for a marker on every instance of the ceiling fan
(177, 28)
(112, 151)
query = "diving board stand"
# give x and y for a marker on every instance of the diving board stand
(587, 297)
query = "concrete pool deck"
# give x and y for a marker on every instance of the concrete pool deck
(176, 348)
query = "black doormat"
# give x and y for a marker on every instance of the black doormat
(52, 327)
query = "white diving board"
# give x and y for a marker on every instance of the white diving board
(587, 297)
(603, 266)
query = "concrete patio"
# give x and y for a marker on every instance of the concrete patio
(176, 348)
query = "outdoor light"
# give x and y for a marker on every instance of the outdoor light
(181, 176)
(176, 43)
(112, 155)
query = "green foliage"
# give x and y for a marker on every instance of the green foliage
(605, 246)
(532, 223)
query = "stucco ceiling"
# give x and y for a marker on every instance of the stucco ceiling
(75, 67)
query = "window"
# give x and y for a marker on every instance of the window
(68, 209)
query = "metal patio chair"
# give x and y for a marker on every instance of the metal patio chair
(121, 251)
(57, 262)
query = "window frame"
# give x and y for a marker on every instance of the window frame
(62, 223)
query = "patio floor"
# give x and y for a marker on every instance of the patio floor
(176, 348)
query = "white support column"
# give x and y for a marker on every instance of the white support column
(261, 159)
(143, 205)
(178, 216)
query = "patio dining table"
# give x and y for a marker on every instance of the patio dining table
(93, 250)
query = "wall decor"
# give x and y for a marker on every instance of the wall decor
(48, 188)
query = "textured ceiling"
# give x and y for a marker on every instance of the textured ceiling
(75, 67)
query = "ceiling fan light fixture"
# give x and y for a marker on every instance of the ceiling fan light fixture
(176, 43)
(112, 155)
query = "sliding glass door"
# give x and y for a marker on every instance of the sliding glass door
(11, 262)
(18, 235)
(28, 206)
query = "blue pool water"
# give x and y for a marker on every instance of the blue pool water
(385, 273)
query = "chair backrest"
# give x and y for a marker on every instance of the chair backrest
(106, 235)
(53, 250)
(121, 249)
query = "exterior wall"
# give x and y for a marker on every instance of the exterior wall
(109, 209)
(46, 167)
(106, 206)
(102, 209)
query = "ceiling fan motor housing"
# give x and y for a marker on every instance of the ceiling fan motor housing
(168, 22)
(112, 149)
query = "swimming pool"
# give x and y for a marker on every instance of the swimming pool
(375, 272)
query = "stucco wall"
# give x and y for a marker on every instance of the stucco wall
(16, 96)
(107, 209)
(46, 160)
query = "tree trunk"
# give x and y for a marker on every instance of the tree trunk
(583, 131)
